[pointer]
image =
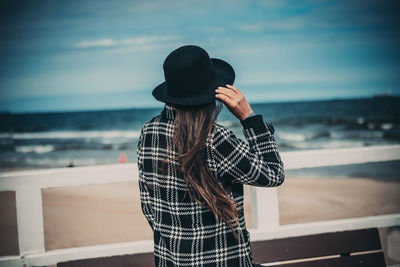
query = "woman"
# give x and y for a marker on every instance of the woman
(192, 170)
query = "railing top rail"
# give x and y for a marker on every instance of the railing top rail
(115, 173)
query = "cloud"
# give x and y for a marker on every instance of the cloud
(140, 40)
(97, 43)
(286, 24)
(349, 76)
(316, 17)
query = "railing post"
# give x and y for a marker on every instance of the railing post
(265, 207)
(30, 220)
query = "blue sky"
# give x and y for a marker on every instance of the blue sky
(82, 55)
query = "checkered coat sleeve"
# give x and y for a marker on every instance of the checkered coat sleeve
(186, 233)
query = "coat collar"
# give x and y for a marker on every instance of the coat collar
(169, 112)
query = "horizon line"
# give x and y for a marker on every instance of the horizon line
(162, 104)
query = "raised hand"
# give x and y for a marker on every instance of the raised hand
(234, 100)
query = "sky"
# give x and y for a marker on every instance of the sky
(89, 55)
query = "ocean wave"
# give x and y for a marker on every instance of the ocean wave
(301, 136)
(39, 149)
(357, 134)
(59, 162)
(349, 123)
(323, 145)
(296, 137)
(66, 145)
(362, 124)
(110, 141)
(72, 134)
(228, 123)
(387, 126)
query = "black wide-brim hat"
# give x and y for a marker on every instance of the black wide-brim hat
(191, 77)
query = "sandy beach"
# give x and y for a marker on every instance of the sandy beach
(100, 214)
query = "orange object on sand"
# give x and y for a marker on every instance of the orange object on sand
(122, 158)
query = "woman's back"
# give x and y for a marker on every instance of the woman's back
(185, 232)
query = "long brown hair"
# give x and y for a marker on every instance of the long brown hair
(193, 125)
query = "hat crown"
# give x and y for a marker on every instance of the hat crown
(188, 70)
(191, 77)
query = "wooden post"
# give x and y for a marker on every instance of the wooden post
(265, 207)
(30, 220)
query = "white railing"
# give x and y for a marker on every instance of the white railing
(29, 184)
(314, 158)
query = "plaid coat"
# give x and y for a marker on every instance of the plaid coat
(186, 233)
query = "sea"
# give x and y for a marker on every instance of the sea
(83, 138)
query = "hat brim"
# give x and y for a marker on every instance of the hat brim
(225, 75)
